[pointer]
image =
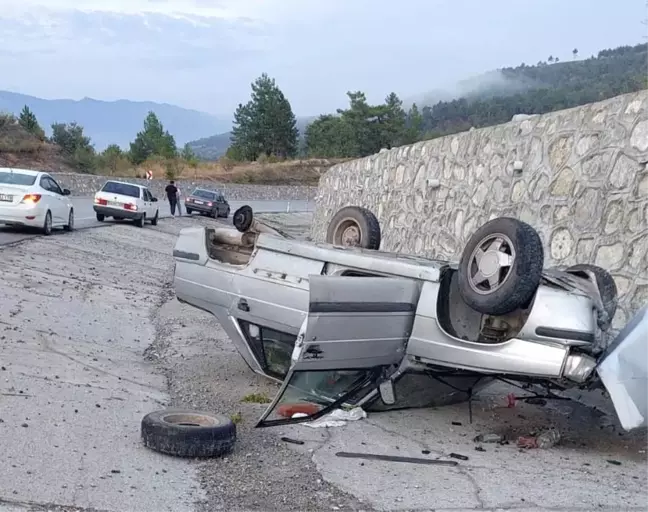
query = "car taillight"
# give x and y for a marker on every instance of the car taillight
(100, 201)
(130, 206)
(31, 198)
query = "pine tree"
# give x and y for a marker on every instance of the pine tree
(29, 122)
(153, 140)
(265, 125)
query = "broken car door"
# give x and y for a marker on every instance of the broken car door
(354, 336)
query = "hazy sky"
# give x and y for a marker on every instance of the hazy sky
(203, 54)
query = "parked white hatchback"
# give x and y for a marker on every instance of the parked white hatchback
(34, 199)
(121, 200)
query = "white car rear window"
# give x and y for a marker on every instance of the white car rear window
(124, 189)
(17, 178)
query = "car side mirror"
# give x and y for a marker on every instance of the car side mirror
(66, 192)
(154, 199)
(387, 392)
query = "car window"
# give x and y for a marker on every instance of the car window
(147, 195)
(124, 189)
(53, 186)
(205, 194)
(273, 349)
(17, 178)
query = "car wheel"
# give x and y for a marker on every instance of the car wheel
(139, 222)
(501, 266)
(227, 212)
(100, 217)
(189, 212)
(607, 290)
(214, 214)
(154, 220)
(70, 224)
(188, 433)
(243, 218)
(354, 226)
(47, 225)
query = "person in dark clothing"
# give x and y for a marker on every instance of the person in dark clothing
(172, 195)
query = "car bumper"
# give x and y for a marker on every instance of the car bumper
(117, 212)
(22, 215)
(200, 207)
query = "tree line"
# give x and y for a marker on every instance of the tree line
(153, 144)
(265, 126)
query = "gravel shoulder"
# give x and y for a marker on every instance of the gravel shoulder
(92, 338)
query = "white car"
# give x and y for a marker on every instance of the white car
(34, 199)
(121, 200)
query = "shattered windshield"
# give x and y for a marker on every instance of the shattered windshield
(309, 392)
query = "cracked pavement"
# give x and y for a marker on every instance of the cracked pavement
(91, 339)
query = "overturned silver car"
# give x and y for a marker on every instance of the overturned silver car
(345, 323)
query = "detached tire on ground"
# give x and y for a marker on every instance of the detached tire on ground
(354, 226)
(501, 266)
(607, 289)
(185, 433)
(243, 218)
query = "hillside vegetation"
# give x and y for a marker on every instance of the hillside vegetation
(269, 145)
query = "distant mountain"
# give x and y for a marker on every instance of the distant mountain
(115, 122)
(211, 148)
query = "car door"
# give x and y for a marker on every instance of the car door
(149, 205)
(154, 204)
(354, 336)
(55, 199)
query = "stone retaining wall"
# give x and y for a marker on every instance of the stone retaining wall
(88, 184)
(583, 185)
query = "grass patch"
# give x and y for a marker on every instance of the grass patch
(236, 418)
(256, 398)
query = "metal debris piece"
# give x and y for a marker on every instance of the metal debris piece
(393, 458)
(293, 441)
(488, 438)
(458, 456)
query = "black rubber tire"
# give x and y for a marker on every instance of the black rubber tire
(154, 220)
(607, 289)
(213, 436)
(140, 221)
(101, 217)
(243, 218)
(227, 212)
(363, 219)
(70, 225)
(47, 224)
(525, 274)
(189, 211)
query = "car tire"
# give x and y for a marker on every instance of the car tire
(214, 214)
(243, 218)
(607, 289)
(70, 225)
(139, 222)
(354, 226)
(154, 220)
(227, 212)
(186, 433)
(47, 224)
(189, 211)
(515, 279)
(101, 217)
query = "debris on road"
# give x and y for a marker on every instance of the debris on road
(338, 418)
(457, 456)
(488, 438)
(545, 440)
(292, 441)
(394, 458)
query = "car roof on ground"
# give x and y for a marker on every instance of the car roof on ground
(29, 172)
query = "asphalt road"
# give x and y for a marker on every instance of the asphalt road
(85, 217)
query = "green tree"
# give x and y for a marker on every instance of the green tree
(76, 147)
(153, 140)
(393, 121)
(414, 125)
(265, 125)
(112, 158)
(29, 122)
(329, 137)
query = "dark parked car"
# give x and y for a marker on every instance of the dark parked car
(207, 202)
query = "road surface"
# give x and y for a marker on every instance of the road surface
(85, 216)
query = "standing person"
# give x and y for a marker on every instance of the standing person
(172, 195)
(178, 200)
